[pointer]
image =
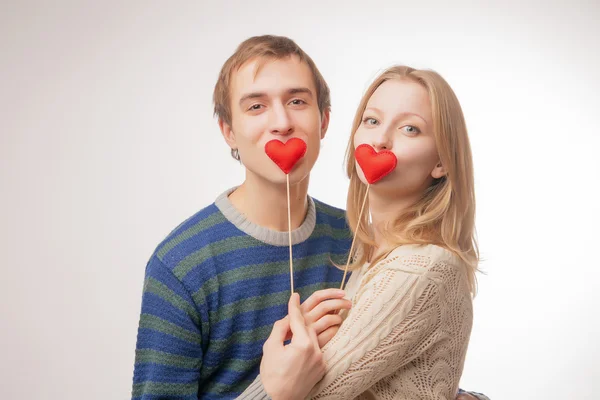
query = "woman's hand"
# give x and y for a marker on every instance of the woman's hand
(321, 310)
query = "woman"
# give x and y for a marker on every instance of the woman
(407, 332)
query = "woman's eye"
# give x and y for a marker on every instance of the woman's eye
(370, 121)
(255, 107)
(411, 130)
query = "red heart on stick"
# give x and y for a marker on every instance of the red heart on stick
(375, 165)
(286, 155)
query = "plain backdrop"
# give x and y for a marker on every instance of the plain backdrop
(108, 142)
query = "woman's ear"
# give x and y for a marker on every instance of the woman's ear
(438, 171)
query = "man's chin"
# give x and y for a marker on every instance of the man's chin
(277, 177)
(296, 177)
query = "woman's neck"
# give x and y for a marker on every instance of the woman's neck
(385, 208)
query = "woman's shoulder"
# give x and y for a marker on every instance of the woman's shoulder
(426, 265)
(422, 259)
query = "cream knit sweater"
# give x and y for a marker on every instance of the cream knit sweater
(406, 335)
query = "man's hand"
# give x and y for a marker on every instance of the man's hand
(466, 396)
(290, 372)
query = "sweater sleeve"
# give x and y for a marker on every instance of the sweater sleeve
(396, 316)
(256, 391)
(168, 353)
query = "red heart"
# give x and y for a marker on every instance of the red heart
(286, 155)
(375, 165)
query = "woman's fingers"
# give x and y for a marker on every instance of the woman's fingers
(326, 322)
(319, 296)
(327, 307)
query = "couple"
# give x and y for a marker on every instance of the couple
(216, 308)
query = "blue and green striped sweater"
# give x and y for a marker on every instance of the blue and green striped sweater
(212, 291)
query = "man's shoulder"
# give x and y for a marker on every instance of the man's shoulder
(332, 221)
(329, 211)
(192, 234)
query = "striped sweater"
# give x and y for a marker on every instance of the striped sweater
(212, 291)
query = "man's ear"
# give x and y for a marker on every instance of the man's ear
(324, 123)
(438, 171)
(228, 134)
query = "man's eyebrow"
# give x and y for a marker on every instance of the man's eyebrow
(258, 95)
(300, 90)
(255, 95)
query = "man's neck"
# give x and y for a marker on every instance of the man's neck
(265, 203)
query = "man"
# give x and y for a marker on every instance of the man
(216, 285)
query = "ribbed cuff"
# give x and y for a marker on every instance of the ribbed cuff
(256, 391)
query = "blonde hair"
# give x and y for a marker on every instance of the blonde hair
(445, 214)
(267, 47)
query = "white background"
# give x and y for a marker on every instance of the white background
(108, 142)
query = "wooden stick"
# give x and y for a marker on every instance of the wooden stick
(290, 233)
(354, 238)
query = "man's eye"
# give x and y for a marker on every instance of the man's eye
(255, 107)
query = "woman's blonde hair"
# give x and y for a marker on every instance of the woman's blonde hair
(445, 214)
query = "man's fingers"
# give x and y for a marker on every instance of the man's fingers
(278, 334)
(314, 339)
(296, 320)
(465, 396)
(321, 295)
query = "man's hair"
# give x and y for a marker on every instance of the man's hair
(267, 47)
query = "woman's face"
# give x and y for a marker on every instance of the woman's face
(398, 118)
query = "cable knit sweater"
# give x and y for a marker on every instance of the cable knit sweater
(406, 335)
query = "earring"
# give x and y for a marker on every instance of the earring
(235, 153)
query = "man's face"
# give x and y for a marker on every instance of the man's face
(278, 102)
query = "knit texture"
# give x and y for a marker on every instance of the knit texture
(213, 290)
(407, 333)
